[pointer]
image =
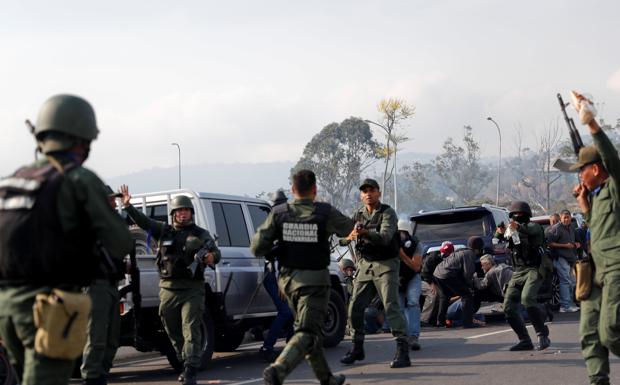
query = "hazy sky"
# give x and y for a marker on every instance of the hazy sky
(253, 81)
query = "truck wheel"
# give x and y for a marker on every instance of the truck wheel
(335, 321)
(207, 343)
(229, 340)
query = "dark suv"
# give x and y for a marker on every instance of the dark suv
(458, 224)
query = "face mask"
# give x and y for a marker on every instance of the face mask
(521, 219)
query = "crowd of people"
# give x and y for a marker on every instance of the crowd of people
(60, 234)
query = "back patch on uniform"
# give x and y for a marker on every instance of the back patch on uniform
(300, 232)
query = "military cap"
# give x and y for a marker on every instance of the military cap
(369, 183)
(587, 155)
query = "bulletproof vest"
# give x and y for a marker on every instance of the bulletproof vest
(303, 242)
(370, 251)
(173, 258)
(34, 249)
(525, 254)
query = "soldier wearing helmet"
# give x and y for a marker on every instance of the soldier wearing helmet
(54, 214)
(182, 288)
(525, 240)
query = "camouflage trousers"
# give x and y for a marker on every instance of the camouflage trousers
(104, 329)
(600, 327)
(386, 286)
(309, 306)
(523, 288)
(181, 312)
(18, 331)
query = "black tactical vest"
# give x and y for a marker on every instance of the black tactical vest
(33, 247)
(303, 242)
(370, 251)
(173, 260)
(524, 254)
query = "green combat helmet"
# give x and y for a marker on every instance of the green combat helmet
(346, 263)
(181, 202)
(62, 121)
(519, 207)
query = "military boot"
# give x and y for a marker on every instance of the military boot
(189, 376)
(537, 317)
(414, 343)
(401, 358)
(355, 354)
(525, 343)
(334, 380)
(270, 376)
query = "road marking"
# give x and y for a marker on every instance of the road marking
(247, 381)
(492, 333)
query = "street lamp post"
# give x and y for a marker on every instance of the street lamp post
(499, 163)
(395, 147)
(179, 151)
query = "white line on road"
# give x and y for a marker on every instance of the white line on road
(492, 333)
(247, 381)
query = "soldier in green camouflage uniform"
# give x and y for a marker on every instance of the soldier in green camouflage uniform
(302, 229)
(531, 265)
(598, 196)
(72, 206)
(377, 251)
(181, 289)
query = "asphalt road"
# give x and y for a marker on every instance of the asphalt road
(448, 356)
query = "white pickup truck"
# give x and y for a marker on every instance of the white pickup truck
(235, 298)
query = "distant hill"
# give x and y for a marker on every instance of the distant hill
(236, 178)
(239, 179)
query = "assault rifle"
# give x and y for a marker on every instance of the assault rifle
(199, 257)
(575, 138)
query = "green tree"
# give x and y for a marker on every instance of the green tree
(338, 155)
(460, 169)
(418, 188)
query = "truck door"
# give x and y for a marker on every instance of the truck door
(234, 242)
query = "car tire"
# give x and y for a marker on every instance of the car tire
(207, 343)
(229, 340)
(335, 320)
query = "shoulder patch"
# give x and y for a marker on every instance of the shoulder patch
(279, 209)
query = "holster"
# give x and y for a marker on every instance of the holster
(61, 318)
(584, 271)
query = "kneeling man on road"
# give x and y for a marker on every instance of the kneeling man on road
(454, 276)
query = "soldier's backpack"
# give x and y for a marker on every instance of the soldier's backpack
(34, 249)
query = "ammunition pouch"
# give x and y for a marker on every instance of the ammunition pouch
(172, 266)
(61, 319)
(584, 271)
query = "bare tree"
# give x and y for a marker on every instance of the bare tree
(393, 111)
(538, 174)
